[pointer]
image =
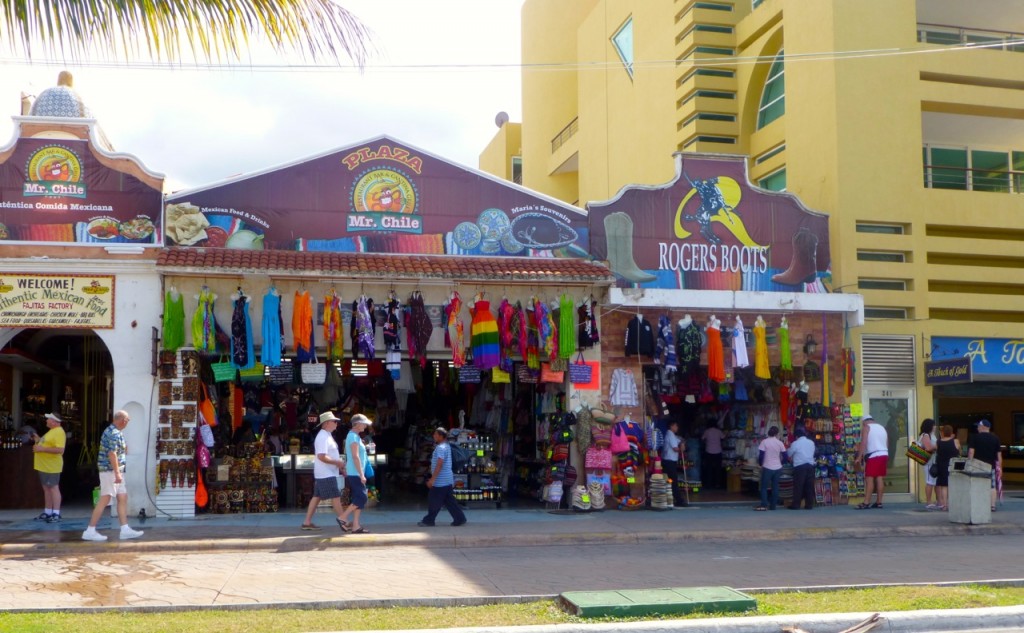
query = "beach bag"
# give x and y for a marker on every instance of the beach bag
(500, 377)
(206, 434)
(469, 374)
(460, 458)
(918, 453)
(580, 372)
(222, 370)
(553, 492)
(203, 458)
(620, 443)
(252, 374)
(314, 373)
(559, 364)
(601, 435)
(525, 375)
(600, 458)
(206, 408)
(547, 374)
(282, 374)
(560, 453)
(368, 471)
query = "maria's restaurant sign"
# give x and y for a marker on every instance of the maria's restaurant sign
(379, 196)
(710, 229)
(57, 301)
(58, 191)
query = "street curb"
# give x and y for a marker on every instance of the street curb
(282, 544)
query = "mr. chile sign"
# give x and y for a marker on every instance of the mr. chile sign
(710, 229)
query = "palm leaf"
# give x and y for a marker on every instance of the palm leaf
(164, 29)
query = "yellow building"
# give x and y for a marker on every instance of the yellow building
(904, 121)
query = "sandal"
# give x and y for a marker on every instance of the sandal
(310, 527)
(760, 509)
(876, 505)
(361, 530)
(862, 506)
(342, 525)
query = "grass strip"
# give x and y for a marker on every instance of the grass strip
(902, 598)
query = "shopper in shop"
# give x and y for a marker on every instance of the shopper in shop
(801, 454)
(946, 449)
(984, 445)
(326, 469)
(111, 462)
(672, 453)
(712, 462)
(441, 483)
(49, 462)
(874, 454)
(926, 439)
(769, 456)
(355, 474)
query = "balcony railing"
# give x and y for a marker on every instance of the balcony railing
(966, 179)
(948, 35)
(567, 133)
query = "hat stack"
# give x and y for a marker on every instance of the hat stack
(661, 492)
(596, 495)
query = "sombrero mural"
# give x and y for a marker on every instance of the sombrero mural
(710, 229)
(379, 196)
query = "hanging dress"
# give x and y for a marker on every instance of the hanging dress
(418, 329)
(366, 329)
(174, 321)
(242, 355)
(456, 333)
(739, 346)
(519, 326)
(506, 338)
(302, 327)
(716, 357)
(272, 328)
(588, 333)
(392, 339)
(761, 369)
(533, 343)
(204, 324)
(688, 346)
(483, 336)
(785, 357)
(566, 327)
(334, 337)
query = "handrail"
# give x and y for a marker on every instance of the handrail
(993, 180)
(1011, 40)
(962, 28)
(567, 133)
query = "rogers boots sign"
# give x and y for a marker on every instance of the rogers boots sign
(710, 229)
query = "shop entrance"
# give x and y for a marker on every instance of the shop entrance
(894, 410)
(66, 372)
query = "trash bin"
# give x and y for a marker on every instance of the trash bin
(970, 491)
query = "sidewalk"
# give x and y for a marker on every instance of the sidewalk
(20, 535)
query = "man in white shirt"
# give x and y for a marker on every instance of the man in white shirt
(325, 472)
(672, 453)
(801, 453)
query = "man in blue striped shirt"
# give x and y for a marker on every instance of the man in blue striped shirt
(442, 483)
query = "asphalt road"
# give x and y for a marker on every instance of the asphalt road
(372, 573)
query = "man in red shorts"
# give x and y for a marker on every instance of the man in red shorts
(873, 452)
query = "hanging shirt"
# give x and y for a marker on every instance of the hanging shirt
(639, 337)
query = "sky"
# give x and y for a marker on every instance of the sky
(444, 70)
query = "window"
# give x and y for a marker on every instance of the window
(882, 284)
(728, 140)
(755, 3)
(990, 171)
(623, 43)
(775, 181)
(517, 170)
(773, 98)
(885, 313)
(775, 151)
(880, 256)
(968, 169)
(714, 6)
(705, 72)
(713, 94)
(714, 50)
(885, 229)
(712, 28)
(709, 116)
(948, 168)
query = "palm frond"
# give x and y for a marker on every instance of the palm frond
(165, 29)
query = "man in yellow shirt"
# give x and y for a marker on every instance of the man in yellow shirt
(49, 461)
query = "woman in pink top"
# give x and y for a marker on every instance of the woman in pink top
(769, 456)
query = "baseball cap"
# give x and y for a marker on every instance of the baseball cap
(359, 418)
(985, 423)
(866, 418)
(328, 417)
(54, 417)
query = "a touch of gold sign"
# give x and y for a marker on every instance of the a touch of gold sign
(57, 301)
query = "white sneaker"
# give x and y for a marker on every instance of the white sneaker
(90, 534)
(127, 532)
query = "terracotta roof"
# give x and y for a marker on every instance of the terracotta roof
(211, 261)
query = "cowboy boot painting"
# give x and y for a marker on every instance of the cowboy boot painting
(803, 267)
(618, 228)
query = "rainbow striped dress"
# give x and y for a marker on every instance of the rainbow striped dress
(483, 336)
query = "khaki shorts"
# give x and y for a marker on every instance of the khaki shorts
(108, 487)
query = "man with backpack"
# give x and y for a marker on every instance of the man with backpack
(442, 483)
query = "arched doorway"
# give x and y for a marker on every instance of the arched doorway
(70, 373)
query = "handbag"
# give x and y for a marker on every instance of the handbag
(206, 408)
(580, 372)
(559, 364)
(282, 374)
(500, 377)
(525, 375)
(202, 456)
(917, 453)
(620, 443)
(368, 469)
(252, 374)
(223, 370)
(599, 458)
(549, 375)
(314, 373)
(469, 374)
(933, 470)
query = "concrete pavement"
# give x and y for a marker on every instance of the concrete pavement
(490, 527)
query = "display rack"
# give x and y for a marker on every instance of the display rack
(178, 395)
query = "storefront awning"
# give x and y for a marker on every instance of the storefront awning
(225, 262)
(742, 301)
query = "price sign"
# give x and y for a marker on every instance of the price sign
(857, 409)
(480, 453)
(630, 480)
(585, 498)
